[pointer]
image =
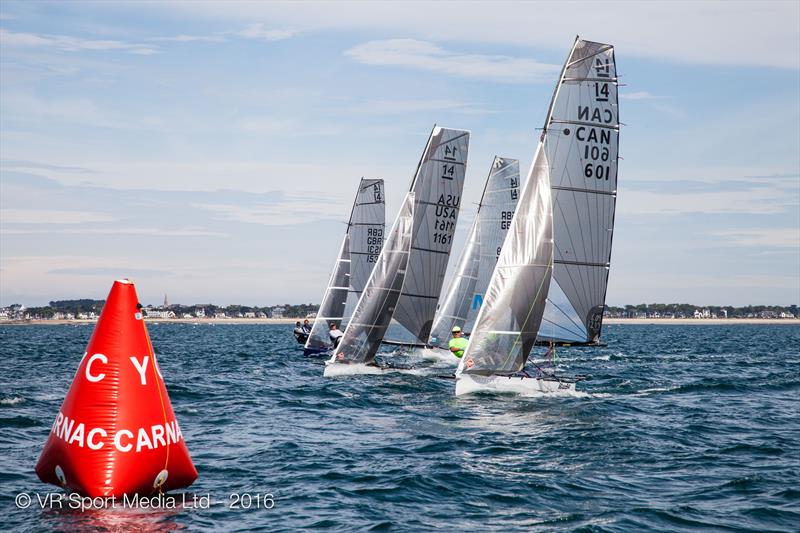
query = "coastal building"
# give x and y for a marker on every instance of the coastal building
(278, 312)
(200, 312)
(158, 313)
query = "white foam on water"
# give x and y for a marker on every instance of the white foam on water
(11, 401)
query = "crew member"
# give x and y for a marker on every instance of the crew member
(299, 333)
(306, 326)
(458, 343)
(336, 335)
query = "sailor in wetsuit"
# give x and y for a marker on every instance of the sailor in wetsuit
(458, 343)
(306, 327)
(299, 333)
(336, 335)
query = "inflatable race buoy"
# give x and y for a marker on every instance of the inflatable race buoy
(116, 432)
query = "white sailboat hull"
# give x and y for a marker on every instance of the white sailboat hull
(470, 384)
(439, 355)
(333, 369)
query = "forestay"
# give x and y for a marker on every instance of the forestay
(374, 309)
(466, 291)
(509, 319)
(437, 185)
(358, 253)
(581, 141)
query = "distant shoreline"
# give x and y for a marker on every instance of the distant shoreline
(701, 321)
(606, 321)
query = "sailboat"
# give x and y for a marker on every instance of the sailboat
(560, 235)
(358, 253)
(407, 277)
(465, 293)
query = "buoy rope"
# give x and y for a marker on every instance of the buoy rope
(160, 396)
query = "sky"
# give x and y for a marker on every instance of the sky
(211, 151)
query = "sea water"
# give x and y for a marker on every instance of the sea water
(678, 428)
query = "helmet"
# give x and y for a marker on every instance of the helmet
(456, 330)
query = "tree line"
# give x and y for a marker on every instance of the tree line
(85, 306)
(689, 309)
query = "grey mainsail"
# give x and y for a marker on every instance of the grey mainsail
(581, 142)
(437, 185)
(509, 319)
(374, 309)
(465, 293)
(358, 253)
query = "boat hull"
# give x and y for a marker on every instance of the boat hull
(470, 384)
(316, 352)
(438, 354)
(333, 369)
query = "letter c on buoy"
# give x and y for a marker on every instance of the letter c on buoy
(89, 375)
(118, 440)
(90, 438)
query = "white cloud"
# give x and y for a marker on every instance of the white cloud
(768, 237)
(391, 107)
(190, 38)
(639, 95)
(51, 216)
(261, 33)
(688, 32)
(428, 56)
(153, 232)
(65, 43)
(760, 201)
(290, 210)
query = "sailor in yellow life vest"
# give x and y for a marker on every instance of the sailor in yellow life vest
(458, 343)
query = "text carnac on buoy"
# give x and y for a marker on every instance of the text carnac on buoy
(116, 432)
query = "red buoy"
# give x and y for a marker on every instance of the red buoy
(116, 432)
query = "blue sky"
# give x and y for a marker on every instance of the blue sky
(211, 151)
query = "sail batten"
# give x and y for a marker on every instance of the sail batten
(360, 247)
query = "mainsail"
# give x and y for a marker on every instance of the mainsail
(437, 185)
(358, 253)
(581, 143)
(372, 314)
(466, 291)
(562, 225)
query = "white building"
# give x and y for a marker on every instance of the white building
(159, 313)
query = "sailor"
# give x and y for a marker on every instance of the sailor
(336, 335)
(299, 333)
(458, 343)
(306, 326)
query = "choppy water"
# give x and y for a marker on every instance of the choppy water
(680, 428)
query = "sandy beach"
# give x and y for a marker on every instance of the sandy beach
(607, 321)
